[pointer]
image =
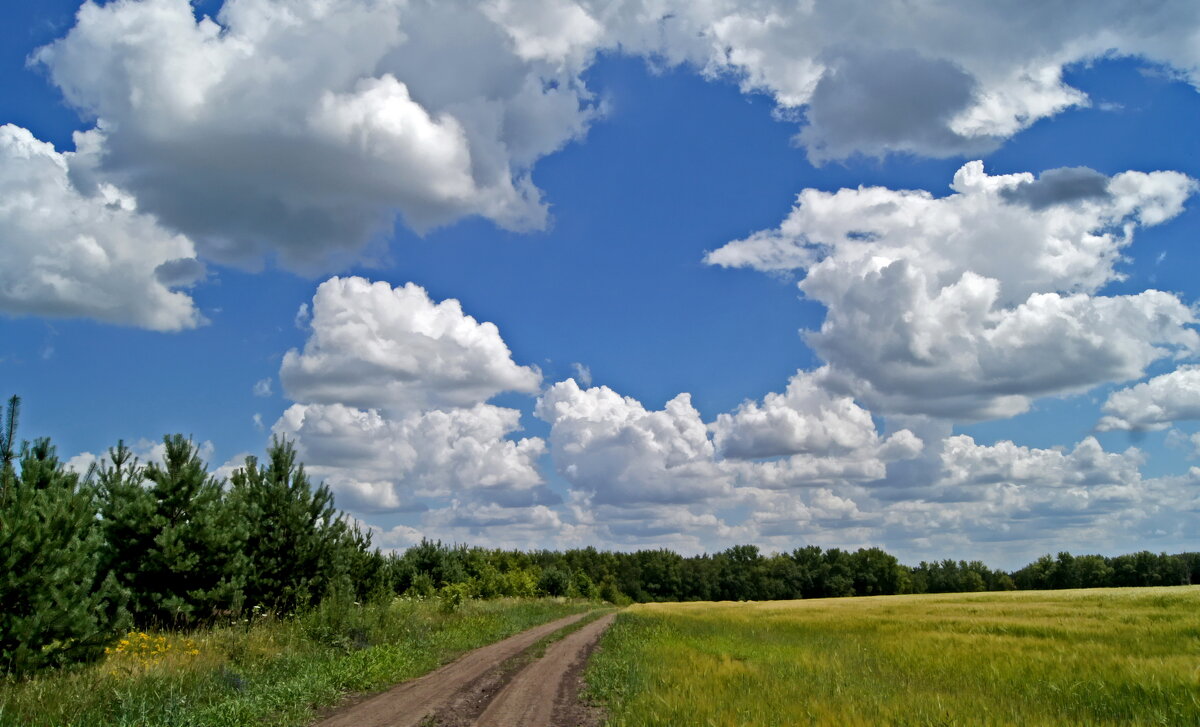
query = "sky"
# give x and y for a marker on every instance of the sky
(630, 274)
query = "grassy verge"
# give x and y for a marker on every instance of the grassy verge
(269, 672)
(1098, 657)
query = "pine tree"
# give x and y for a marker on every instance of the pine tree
(57, 605)
(299, 548)
(173, 538)
(127, 511)
(8, 428)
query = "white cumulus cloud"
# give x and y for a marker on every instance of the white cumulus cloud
(876, 78)
(612, 446)
(94, 255)
(391, 391)
(805, 419)
(925, 316)
(1190, 443)
(1156, 403)
(302, 128)
(375, 462)
(967, 464)
(1016, 502)
(83, 463)
(643, 477)
(372, 345)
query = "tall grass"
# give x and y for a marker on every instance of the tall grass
(1095, 657)
(266, 671)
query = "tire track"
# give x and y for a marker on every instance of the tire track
(544, 694)
(408, 704)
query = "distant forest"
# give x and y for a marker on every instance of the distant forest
(167, 545)
(743, 573)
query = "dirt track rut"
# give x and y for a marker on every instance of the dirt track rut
(543, 694)
(408, 704)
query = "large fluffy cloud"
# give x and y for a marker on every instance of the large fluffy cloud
(303, 127)
(805, 419)
(372, 345)
(1156, 403)
(803, 465)
(391, 391)
(925, 316)
(807, 436)
(621, 453)
(65, 253)
(1003, 503)
(378, 463)
(664, 477)
(300, 129)
(1085, 471)
(1023, 501)
(612, 446)
(927, 78)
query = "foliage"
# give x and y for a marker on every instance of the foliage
(140, 651)
(1047, 658)
(8, 431)
(297, 546)
(743, 573)
(58, 604)
(1095, 571)
(173, 538)
(555, 581)
(454, 596)
(265, 670)
(165, 543)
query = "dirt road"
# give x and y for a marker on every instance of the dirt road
(408, 704)
(543, 694)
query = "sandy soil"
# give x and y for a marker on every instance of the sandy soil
(417, 702)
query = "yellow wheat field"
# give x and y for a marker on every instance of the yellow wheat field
(1105, 656)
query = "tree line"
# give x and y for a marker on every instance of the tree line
(167, 544)
(744, 573)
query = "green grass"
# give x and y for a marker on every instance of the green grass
(1095, 657)
(270, 672)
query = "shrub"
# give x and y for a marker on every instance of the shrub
(555, 581)
(453, 596)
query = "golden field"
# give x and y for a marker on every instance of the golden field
(1081, 657)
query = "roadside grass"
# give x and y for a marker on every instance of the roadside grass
(267, 671)
(1085, 657)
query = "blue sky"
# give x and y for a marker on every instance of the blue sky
(1002, 369)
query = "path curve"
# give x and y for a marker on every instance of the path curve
(542, 694)
(407, 704)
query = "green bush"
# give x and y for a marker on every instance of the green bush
(453, 596)
(555, 581)
(521, 583)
